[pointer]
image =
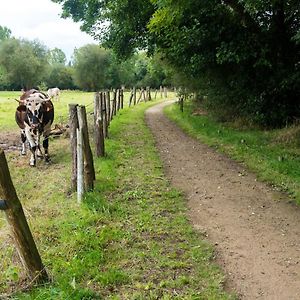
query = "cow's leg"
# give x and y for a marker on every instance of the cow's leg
(33, 147)
(38, 149)
(46, 146)
(46, 134)
(32, 161)
(23, 139)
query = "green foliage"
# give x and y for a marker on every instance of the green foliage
(25, 63)
(246, 55)
(91, 64)
(118, 24)
(5, 33)
(243, 55)
(56, 56)
(60, 76)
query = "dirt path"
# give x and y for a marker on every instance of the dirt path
(256, 231)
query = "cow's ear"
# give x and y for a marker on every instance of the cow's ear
(47, 106)
(21, 108)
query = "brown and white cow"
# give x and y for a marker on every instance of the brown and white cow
(54, 93)
(34, 116)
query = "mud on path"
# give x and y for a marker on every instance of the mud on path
(10, 141)
(255, 230)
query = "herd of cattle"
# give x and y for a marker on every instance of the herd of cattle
(34, 116)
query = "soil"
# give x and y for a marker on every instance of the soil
(254, 228)
(10, 141)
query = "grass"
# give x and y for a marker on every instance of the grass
(274, 155)
(8, 106)
(130, 239)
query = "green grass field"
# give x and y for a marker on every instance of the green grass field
(8, 106)
(130, 239)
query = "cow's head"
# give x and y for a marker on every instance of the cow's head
(35, 109)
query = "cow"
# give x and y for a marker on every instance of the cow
(54, 93)
(34, 116)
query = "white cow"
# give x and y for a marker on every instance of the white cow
(54, 93)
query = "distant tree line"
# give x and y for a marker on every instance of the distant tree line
(242, 55)
(25, 64)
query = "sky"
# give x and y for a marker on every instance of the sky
(40, 19)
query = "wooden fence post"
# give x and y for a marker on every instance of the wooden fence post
(108, 108)
(80, 165)
(148, 93)
(15, 216)
(165, 92)
(89, 170)
(73, 124)
(104, 114)
(161, 91)
(144, 94)
(134, 95)
(119, 100)
(114, 104)
(131, 97)
(181, 103)
(122, 98)
(99, 137)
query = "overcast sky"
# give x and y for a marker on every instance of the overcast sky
(40, 19)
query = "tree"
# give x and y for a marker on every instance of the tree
(118, 24)
(243, 54)
(56, 56)
(5, 33)
(60, 76)
(91, 65)
(245, 51)
(25, 62)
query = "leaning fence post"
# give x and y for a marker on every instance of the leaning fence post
(73, 124)
(114, 105)
(89, 171)
(108, 108)
(134, 95)
(119, 100)
(130, 98)
(15, 216)
(122, 98)
(104, 114)
(99, 137)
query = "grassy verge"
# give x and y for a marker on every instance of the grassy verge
(273, 155)
(130, 239)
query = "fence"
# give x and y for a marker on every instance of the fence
(15, 216)
(106, 106)
(83, 172)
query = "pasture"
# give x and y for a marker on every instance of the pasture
(130, 239)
